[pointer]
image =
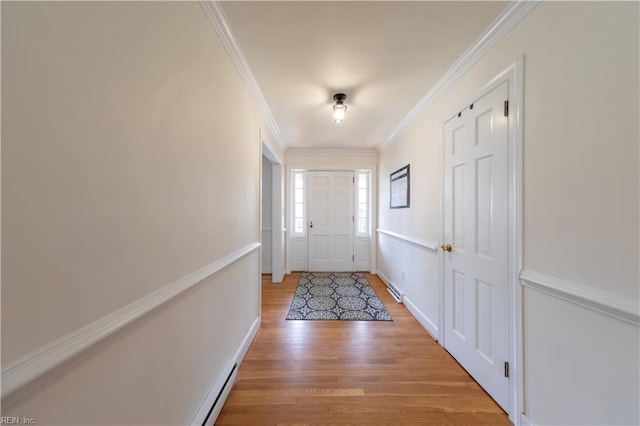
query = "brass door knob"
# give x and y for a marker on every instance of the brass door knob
(446, 247)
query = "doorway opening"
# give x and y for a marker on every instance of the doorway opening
(272, 228)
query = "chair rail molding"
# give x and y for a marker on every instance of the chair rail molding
(415, 241)
(23, 375)
(613, 305)
(515, 12)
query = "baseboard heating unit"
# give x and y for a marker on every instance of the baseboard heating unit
(218, 403)
(395, 293)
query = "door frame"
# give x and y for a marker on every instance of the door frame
(514, 76)
(354, 167)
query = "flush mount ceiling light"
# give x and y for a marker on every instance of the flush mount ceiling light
(339, 109)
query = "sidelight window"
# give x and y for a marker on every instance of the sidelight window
(362, 202)
(298, 178)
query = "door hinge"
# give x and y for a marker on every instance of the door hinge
(353, 257)
(353, 179)
(506, 108)
(506, 369)
(353, 218)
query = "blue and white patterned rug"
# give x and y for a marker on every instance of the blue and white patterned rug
(336, 296)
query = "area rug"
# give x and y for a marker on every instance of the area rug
(336, 296)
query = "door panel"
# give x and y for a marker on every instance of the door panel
(476, 225)
(331, 213)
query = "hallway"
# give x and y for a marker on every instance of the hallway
(138, 140)
(339, 372)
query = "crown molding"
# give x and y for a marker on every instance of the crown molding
(214, 11)
(515, 12)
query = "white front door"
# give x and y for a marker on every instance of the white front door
(476, 219)
(331, 224)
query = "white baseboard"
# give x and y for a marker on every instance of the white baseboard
(210, 399)
(424, 321)
(524, 421)
(392, 288)
(246, 342)
(386, 280)
(213, 393)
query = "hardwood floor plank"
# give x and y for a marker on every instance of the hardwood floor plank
(350, 372)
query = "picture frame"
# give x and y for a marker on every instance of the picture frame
(400, 188)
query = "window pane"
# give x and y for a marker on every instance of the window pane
(299, 209)
(362, 180)
(362, 225)
(362, 210)
(298, 180)
(298, 195)
(362, 195)
(298, 225)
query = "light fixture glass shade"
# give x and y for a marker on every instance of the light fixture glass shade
(338, 112)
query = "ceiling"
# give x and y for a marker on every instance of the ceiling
(384, 55)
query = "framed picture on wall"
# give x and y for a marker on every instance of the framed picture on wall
(399, 188)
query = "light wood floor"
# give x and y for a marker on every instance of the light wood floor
(350, 372)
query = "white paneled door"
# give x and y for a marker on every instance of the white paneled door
(476, 215)
(331, 221)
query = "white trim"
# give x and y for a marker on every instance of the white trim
(25, 373)
(203, 411)
(386, 280)
(246, 342)
(516, 319)
(268, 150)
(214, 11)
(422, 319)
(505, 22)
(373, 255)
(524, 421)
(610, 304)
(415, 241)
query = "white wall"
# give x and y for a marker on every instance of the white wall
(581, 198)
(412, 268)
(123, 173)
(267, 213)
(331, 159)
